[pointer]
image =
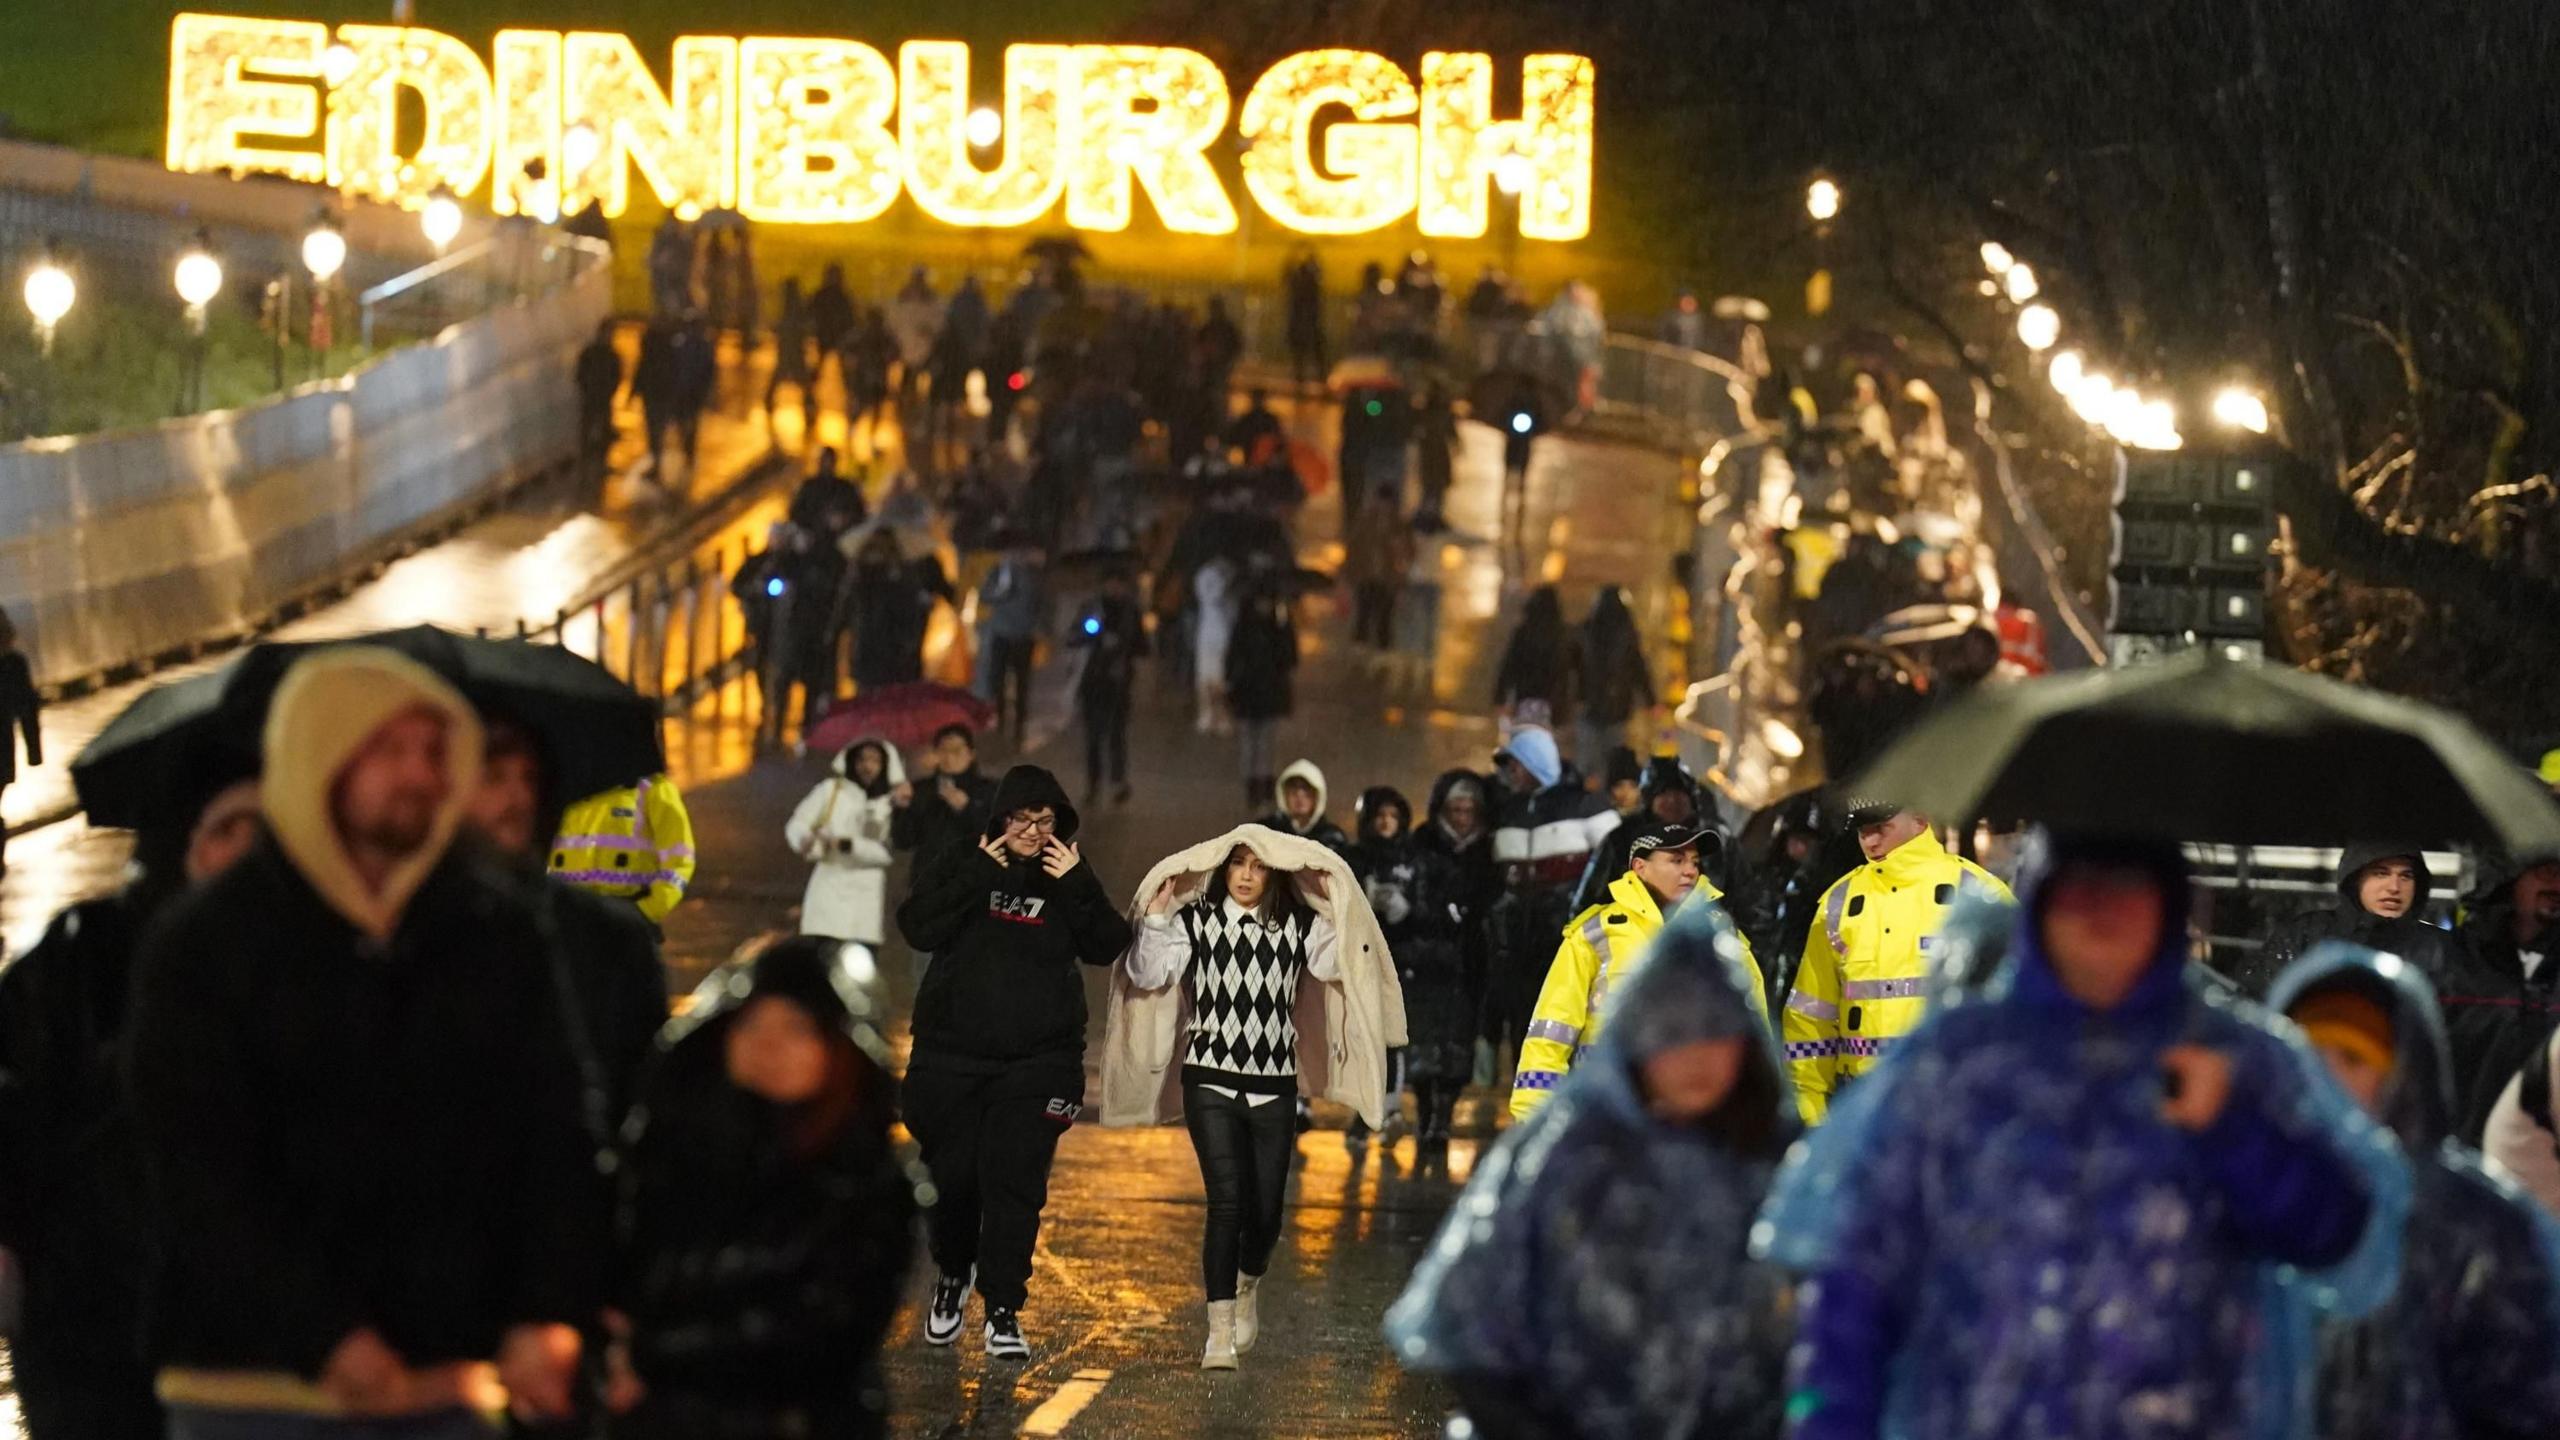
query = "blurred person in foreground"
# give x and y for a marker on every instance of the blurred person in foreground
(2065, 1204)
(2469, 1344)
(771, 1216)
(357, 1099)
(1595, 1280)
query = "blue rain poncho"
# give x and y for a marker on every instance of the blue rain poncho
(2469, 1344)
(2005, 1240)
(1594, 1276)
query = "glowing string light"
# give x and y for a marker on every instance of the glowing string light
(813, 132)
(1369, 179)
(526, 64)
(947, 181)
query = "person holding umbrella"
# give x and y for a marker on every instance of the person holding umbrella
(1258, 972)
(1859, 987)
(842, 829)
(71, 1179)
(2466, 1345)
(997, 1073)
(2068, 1201)
(1595, 1280)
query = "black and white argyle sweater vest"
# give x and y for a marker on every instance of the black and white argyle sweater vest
(1243, 980)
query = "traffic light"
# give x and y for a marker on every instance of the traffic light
(2189, 561)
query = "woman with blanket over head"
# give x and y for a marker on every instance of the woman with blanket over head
(1595, 1281)
(1258, 971)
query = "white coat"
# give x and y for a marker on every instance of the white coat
(1345, 1025)
(844, 833)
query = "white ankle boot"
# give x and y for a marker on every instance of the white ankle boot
(1221, 1354)
(1248, 1311)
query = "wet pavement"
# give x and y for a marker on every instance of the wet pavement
(1115, 1315)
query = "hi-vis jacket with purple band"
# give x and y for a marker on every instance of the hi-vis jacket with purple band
(1602, 948)
(1864, 978)
(633, 844)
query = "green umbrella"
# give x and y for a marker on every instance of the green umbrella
(2207, 749)
(595, 731)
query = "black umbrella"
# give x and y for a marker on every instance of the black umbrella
(2207, 749)
(596, 732)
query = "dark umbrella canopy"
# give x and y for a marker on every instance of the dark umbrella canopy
(2206, 749)
(596, 732)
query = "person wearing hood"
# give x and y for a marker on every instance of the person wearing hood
(2522, 1136)
(1416, 890)
(771, 1217)
(1595, 1281)
(2066, 1203)
(70, 1165)
(1664, 793)
(400, 1187)
(1545, 828)
(997, 1070)
(1611, 675)
(841, 829)
(1303, 798)
(2469, 1343)
(2382, 900)
(1538, 663)
(2500, 988)
(1861, 984)
(1259, 972)
(1460, 827)
(1606, 944)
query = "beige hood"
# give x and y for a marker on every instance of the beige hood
(329, 705)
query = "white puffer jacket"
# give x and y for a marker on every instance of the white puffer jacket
(844, 834)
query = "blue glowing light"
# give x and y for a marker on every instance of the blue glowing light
(1093, 625)
(773, 587)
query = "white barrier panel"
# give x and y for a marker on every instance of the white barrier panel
(120, 546)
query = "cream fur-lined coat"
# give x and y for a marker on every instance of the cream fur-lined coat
(1345, 1026)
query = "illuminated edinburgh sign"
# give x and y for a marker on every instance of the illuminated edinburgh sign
(818, 131)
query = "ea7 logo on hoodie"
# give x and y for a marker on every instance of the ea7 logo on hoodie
(1020, 909)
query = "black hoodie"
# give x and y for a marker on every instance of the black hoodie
(1006, 938)
(2408, 936)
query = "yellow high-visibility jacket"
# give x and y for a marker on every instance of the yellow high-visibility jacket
(633, 844)
(1601, 949)
(1863, 981)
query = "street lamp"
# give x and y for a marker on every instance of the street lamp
(2065, 371)
(2039, 326)
(984, 128)
(2020, 282)
(1822, 199)
(324, 250)
(49, 294)
(1511, 174)
(199, 279)
(442, 219)
(2240, 408)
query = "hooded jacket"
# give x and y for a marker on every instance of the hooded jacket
(1595, 1280)
(1663, 774)
(842, 830)
(2408, 936)
(1345, 1025)
(2497, 1016)
(2006, 1240)
(1418, 893)
(2469, 1343)
(1006, 939)
(928, 823)
(761, 1277)
(1321, 830)
(1603, 947)
(1862, 984)
(356, 1107)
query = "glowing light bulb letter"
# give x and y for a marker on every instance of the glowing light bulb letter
(933, 108)
(527, 64)
(231, 77)
(1160, 147)
(1461, 143)
(1371, 183)
(684, 138)
(364, 114)
(813, 131)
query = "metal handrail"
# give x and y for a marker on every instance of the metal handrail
(408, 280)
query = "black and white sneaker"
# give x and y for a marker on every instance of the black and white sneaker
(1004, 1335)
(950, 1304)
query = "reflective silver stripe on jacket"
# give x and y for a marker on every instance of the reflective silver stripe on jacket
(1555, 1030)
(1596, 935)
(1832, 912)
(1911, 989)
(1812, 1009)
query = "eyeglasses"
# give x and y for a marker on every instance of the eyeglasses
(1035, 824)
